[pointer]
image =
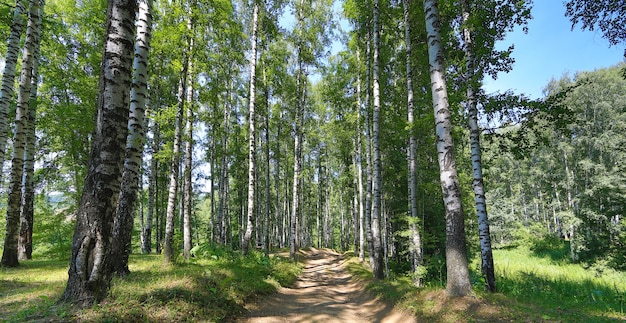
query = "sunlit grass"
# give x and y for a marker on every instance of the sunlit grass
(531, 288)
(561, 289)
(207, 289)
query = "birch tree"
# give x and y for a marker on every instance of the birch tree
(14, 203)
(415, 247)
(250, 218)
(25, 244)
(487, 267)
(187, 166)
(458, 280)
(122, 230)
(90, 266)
(377, 252)
(8, 76)
(168, 241)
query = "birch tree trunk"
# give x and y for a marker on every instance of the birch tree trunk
(25, 244)
(415, 247)
(123, 227)
(458, 280)
(14, 203)
(487, 267)
(368, 156)
(359, 167)
(377, 264)
(250, 216)
(187, 166)
(8, 76)
(297, 162)
(90, 268)
(266, 217)
(152, 196)
(168, 241)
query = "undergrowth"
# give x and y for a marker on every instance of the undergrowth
(213, 287)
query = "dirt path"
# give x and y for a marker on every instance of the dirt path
(325, 292)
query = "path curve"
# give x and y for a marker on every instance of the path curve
(325, 292)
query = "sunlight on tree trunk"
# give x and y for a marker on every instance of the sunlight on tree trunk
(123, 227)
(14, 203)
(25, 245)
(90, 266)
(458, 280)
(250, 218)
(8, 76)
(479, 189)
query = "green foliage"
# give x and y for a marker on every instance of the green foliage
(571, 186)
(52, 237)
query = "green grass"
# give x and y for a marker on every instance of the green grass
(532, 287)
(213, 289)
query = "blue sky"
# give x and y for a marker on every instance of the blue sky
(551, 49)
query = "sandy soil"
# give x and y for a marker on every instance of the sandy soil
(325, 292)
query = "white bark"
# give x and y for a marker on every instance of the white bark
(168, 243)
(477, 170)
(458, 281)
(10, 254)
(377, 265)
(8, 76)
(90, 265)
(415, 239)
(359, 168)
(134, 145)
(250, 218)
(187, 187)
(25, 247)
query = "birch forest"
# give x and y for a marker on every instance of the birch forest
(248, 133)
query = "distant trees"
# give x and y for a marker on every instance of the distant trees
(569, 187)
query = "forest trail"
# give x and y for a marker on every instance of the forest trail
(325, 292)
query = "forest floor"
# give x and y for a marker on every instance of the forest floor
(325, 292)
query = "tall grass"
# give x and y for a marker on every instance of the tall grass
(537, 285)
(563, 290)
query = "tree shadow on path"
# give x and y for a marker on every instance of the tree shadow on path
(325, 292)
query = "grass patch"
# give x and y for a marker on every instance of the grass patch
(212, 288)
(532, 287)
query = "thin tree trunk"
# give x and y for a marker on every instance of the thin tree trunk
(168, 243)
(14, 203)
(8, 76)
(221, 228)
(477, 169)
(416, 239)
(266, 217)
(280, 227)
(458, 281)
(377, 265)
(123, 226)
(359, 165)
(25, 244)
(153, 196)
(296, 167)
(187, 187)
(368, 157)
(250, 218)
(90, 265)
